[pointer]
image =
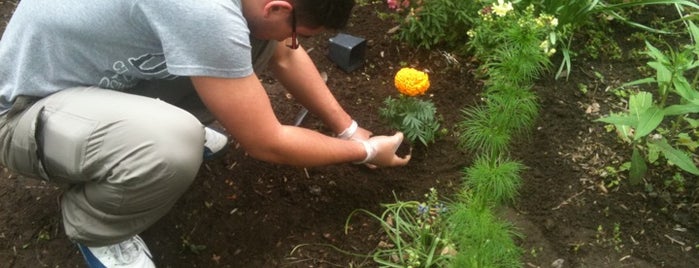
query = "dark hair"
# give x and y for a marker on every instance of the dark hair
(331, 14)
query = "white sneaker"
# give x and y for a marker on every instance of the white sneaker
(130, 253)
(214, 143)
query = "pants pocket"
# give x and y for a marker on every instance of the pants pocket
(64, 138)
(23, 156)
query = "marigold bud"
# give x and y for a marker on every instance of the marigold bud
(411, 82)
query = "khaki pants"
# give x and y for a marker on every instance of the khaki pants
(127, 156)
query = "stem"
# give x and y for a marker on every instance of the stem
(675, 125)
(663, 95)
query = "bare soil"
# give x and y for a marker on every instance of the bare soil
(241, 212)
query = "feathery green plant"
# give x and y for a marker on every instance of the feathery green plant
(482, 240)
(514, 44)
(478, 132)
(512, 107)
(489, 127)
(493, 179)
(516, 65)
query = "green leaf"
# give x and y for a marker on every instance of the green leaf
(648, 80)
(685, 140)
(664, 76)
(656, 54)
(624, 132)
(677, 157)
(638, 167)
(552, 38)
(565, 64)
(620, 120)
(639, 103)
(692, 122)
(653, 152)
(648, 121)
(695, 33)
(684, 89)
(680, 109)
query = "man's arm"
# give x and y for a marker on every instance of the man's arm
(295, 70)
(244, 109)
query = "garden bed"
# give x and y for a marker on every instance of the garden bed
(241, 212)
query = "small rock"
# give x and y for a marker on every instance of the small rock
(557, 263)
(314, 189)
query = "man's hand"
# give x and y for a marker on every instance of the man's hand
(385, 148)
(361, 134)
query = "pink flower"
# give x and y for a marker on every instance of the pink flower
(406, 3)
(392, 4)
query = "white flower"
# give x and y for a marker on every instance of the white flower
(554, 22)
(502, 8)
(546, 47)
(539, 21)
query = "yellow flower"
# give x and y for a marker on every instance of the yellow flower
(411, 82)
(502, 8)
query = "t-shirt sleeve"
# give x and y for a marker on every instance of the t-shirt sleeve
(199, 38)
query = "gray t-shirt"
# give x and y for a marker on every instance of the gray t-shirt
(52, 45)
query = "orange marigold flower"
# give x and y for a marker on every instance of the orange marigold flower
(411, 82)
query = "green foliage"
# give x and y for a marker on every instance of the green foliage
(515, 46)
(489, 128)
(414, 117)
(567, 12)
(43, 234)
(517, 65)
(494, 180)
(513, 108)
(599, 41)
(479, 132)
(432, 23)
(574, 14)
(416, 233)
(645, 116)
(190, 247)
(482, 240)
(613, 239)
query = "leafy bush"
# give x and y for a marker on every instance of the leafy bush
(644, 126)
(573, 14)
(432, 23)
